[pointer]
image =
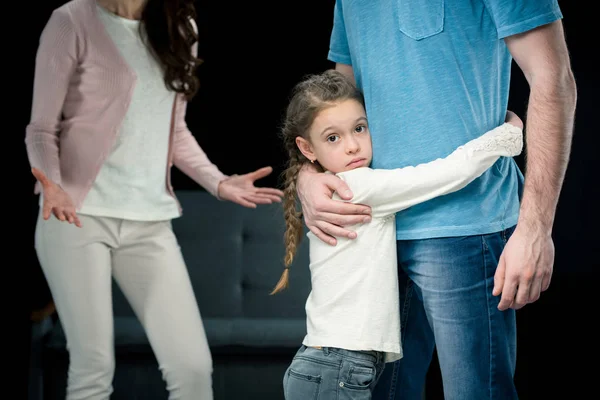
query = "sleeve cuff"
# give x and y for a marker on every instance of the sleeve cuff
(219, 180)
(529, 24)
(339, 58)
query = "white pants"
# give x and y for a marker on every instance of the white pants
(146, 262)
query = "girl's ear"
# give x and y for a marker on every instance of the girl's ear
(305, 148)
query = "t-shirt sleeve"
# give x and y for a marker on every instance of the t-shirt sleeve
(339, 51)
(516, 16)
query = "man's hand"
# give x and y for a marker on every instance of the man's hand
(525, 267)
(324, 216)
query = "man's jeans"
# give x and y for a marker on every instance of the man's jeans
(446, 300)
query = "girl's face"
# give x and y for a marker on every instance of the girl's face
(339, 138)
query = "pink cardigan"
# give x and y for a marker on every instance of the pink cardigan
(82, 90)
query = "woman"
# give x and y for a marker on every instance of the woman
(108, 123)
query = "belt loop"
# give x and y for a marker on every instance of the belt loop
(326, 350)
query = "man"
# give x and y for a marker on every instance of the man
(436, 74)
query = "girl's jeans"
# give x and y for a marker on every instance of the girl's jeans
(332, 374)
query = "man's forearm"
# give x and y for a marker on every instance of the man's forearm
(549, 128)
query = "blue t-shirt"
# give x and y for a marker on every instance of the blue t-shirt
(435, 74)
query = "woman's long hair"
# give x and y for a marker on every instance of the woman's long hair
(169, 33)
(309, 97)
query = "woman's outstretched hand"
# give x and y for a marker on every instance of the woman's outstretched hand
(240, 189)
(56, 200)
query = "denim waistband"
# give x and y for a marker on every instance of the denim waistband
(366, 355)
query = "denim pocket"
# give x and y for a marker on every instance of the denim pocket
(355, 378)
(420, 19)
(300, 385)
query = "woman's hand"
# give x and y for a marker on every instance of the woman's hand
(240, 189)
(56, 200)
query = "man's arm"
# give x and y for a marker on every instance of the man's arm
(323, 216)
(525, 268)
(346, 70)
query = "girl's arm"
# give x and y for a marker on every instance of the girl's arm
(56, 59)
(390, 191)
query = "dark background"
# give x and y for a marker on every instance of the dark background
(254, 53)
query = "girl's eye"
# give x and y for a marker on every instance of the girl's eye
(360, 129)
(332, 138)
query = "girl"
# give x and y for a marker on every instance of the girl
(112, 79)
(353, 322)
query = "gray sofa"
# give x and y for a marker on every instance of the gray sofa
(234, 256)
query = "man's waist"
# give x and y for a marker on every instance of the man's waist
(429, 229)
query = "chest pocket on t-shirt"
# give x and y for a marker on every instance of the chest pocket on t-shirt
(420, 19)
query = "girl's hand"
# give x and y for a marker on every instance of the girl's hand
(240, 189)
(56, 200)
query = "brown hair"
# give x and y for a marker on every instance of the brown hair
(309, 97)
(170, 34)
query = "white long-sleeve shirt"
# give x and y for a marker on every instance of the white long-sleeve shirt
(354, 301)
(131, 181)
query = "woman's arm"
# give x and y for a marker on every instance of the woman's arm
(188, 156)
(56, 59)
(390, 191)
